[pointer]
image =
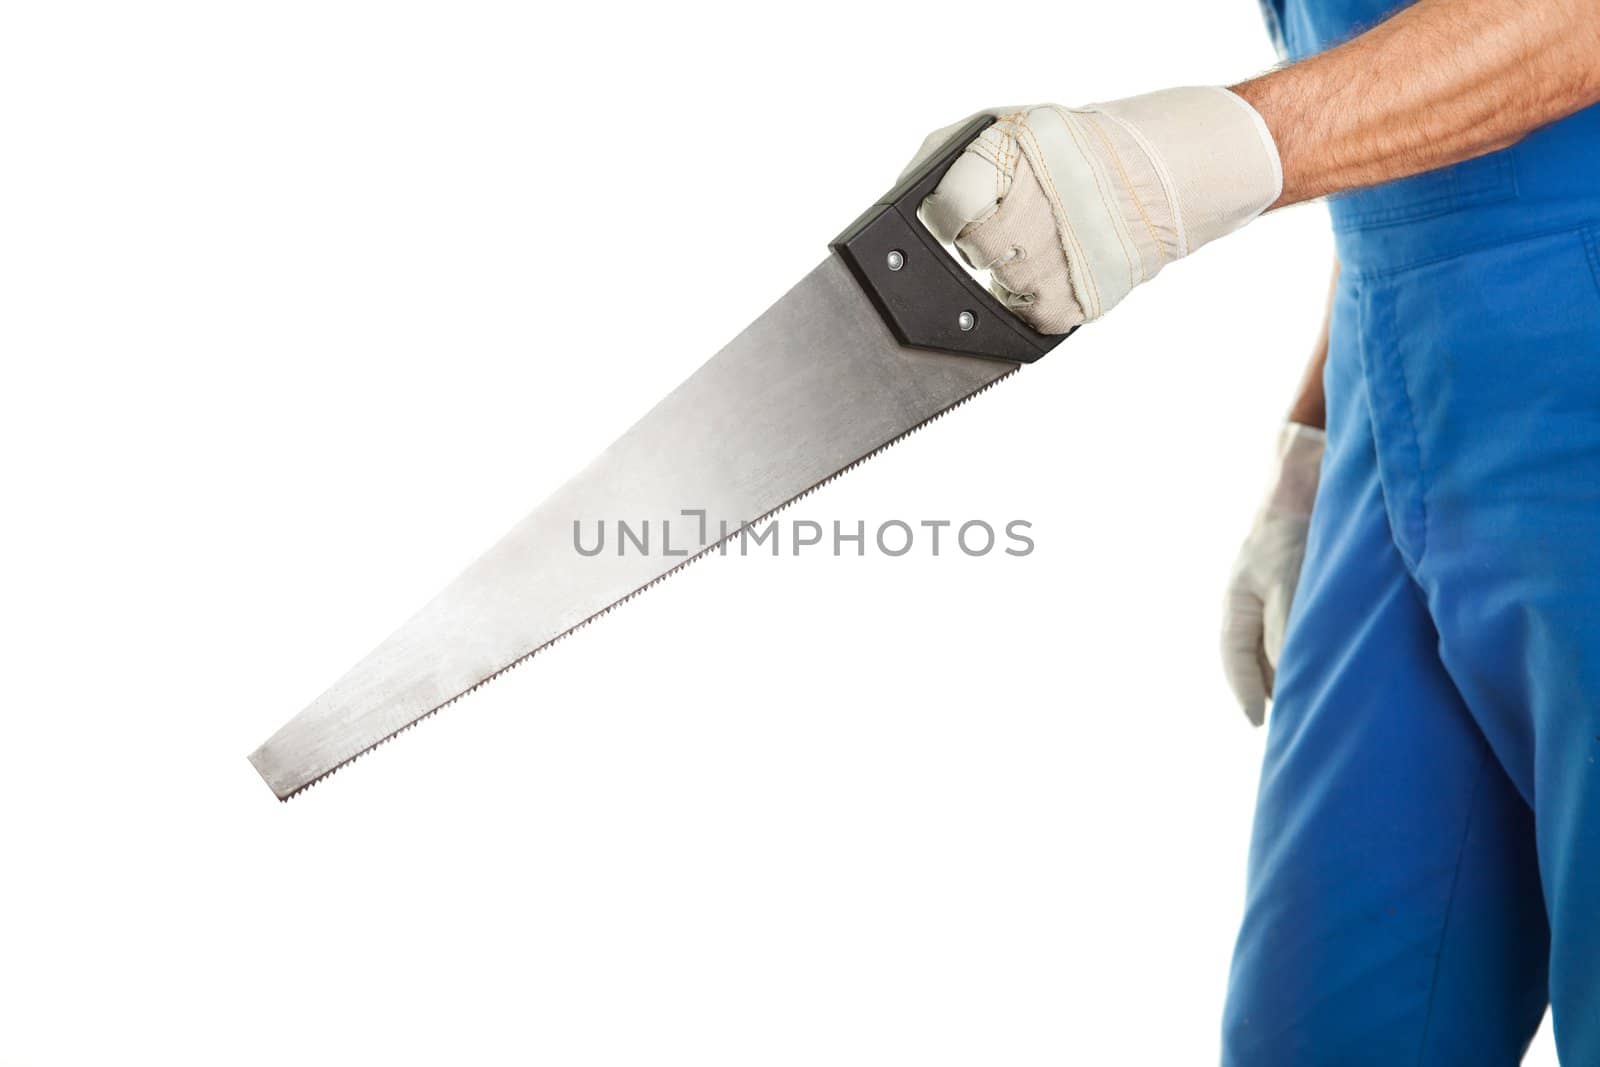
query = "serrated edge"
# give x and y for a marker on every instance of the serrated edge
(657, 580)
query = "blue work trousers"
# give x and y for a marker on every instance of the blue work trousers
(1425, 868)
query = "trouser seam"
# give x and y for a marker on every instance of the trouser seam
(1449, 908)
(1356, 273)
(1388, 399)
(1591, 245)
(1422, 473)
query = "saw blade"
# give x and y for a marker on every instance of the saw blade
(810, 389)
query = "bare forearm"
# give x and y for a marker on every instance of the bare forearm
(1310, 407)
(1442, 81)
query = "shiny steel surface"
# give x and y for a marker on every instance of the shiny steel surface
(812, 387)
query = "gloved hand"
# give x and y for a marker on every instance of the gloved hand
(1071, 208)
(1266, 571)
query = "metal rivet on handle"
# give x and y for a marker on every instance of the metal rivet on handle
(896, 259)
(966, 320)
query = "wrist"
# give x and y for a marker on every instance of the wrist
(1268, 103)
(1310, 412)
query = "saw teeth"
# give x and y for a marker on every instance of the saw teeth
(709, 549)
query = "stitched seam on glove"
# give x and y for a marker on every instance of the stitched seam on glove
(1077, 256)
(1113, 208)
(1159, 246)
(1169, 185)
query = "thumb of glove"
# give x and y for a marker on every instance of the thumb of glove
(1275, 619)
(1244, 658)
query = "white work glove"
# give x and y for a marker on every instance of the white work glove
(1266, 571)
(1071, 208)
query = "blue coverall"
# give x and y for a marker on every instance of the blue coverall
(1425, 869)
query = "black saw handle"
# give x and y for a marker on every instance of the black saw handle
(925, 297)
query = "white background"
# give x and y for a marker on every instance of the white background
(303, 304)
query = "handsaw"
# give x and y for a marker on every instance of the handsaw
(887, 334)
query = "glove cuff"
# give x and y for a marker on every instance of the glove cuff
(1294, 491)
(1214, 153)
